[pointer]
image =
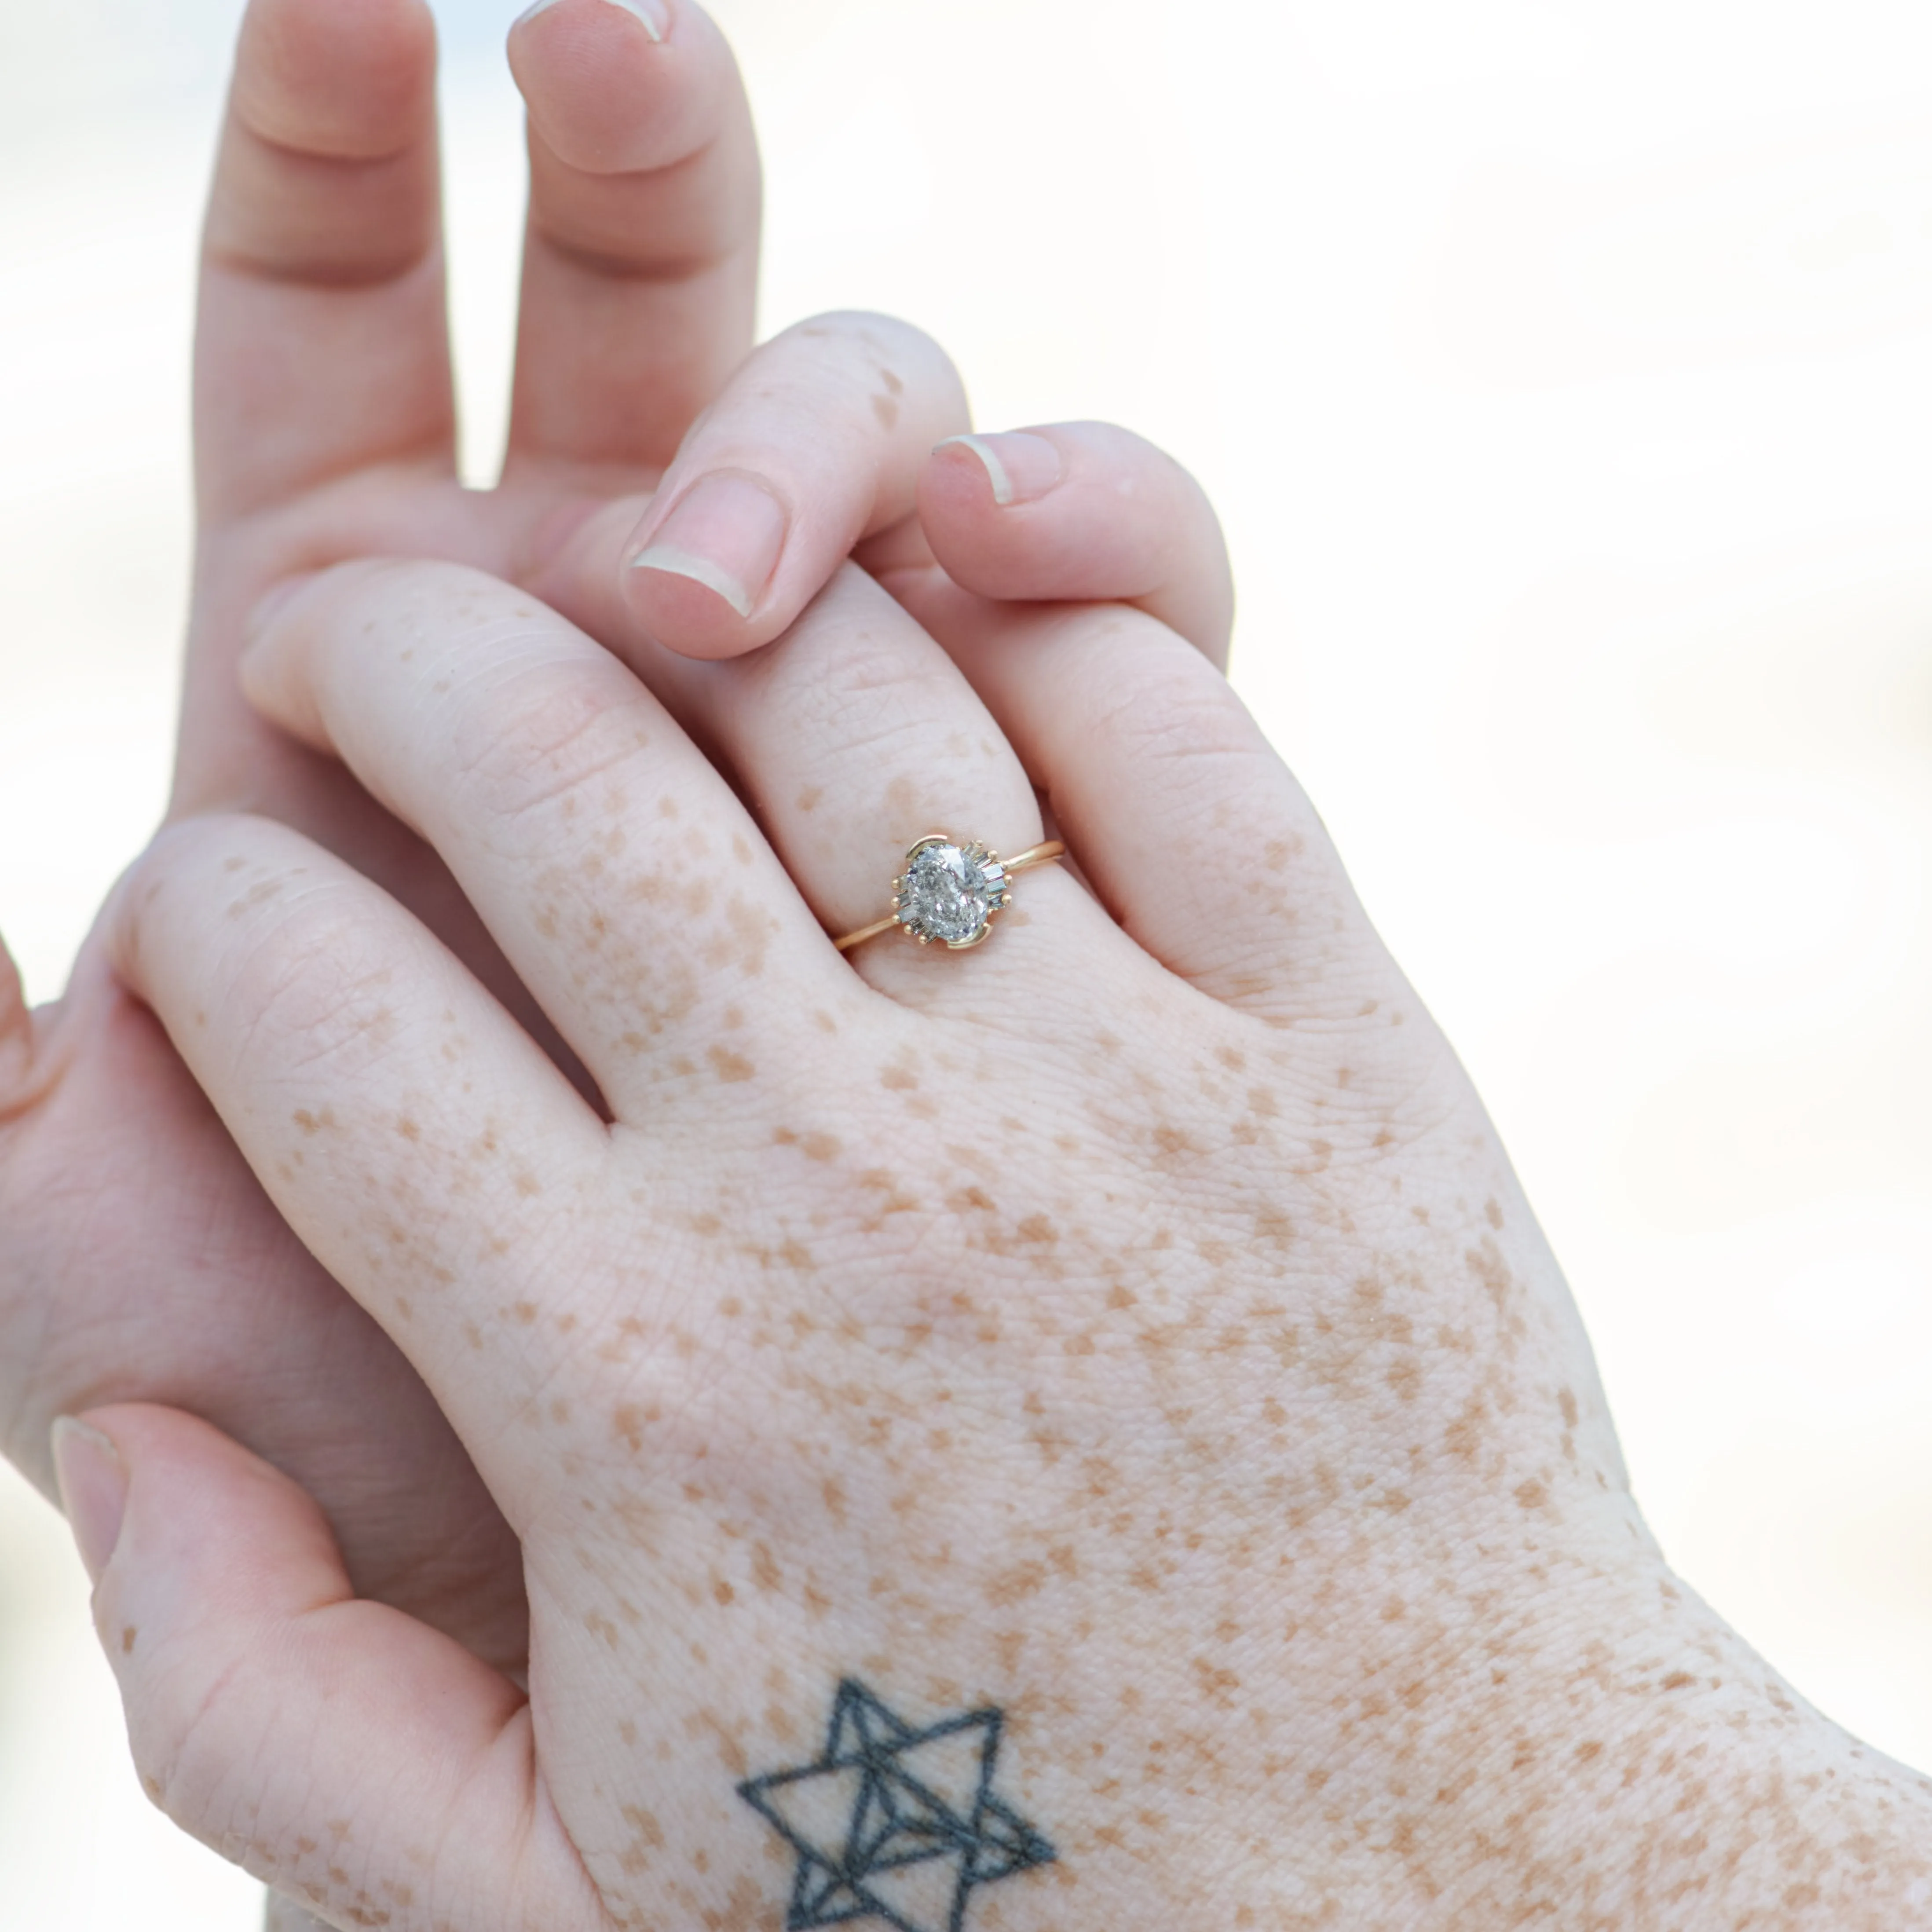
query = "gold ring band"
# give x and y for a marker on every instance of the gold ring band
(951, 891)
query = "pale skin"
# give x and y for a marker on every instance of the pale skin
(1133, 1324)
(139, 1260)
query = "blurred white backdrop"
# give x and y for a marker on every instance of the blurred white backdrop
(1564, 377)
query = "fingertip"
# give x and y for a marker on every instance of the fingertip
(620, 86)
(665, 573)
(700, 574)
(251, 1677)
(653, 16)
(92, 1476)
(689, 605)
(347, 80)
(1004, 517)
(1017, 467)
(1079, 512)
(995, 507)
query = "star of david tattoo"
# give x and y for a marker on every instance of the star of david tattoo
(895, 1823)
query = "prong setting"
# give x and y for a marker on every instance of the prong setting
(951, 891)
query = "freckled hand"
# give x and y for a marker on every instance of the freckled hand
(895, 1823)
(1127, 1336)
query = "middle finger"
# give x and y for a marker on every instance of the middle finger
(640, 263)
(630, 891)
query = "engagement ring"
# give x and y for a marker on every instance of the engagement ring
(950, 890)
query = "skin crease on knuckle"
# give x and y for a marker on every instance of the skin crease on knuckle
(1204, 1397)
(1199, 1391)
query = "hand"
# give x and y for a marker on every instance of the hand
(1133, 1325)
(138, 1258)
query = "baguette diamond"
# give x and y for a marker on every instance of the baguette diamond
(949, 893)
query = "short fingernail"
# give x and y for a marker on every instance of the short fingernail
(93, 1490)
(725, 533)
(1022, 468)
(654, 14)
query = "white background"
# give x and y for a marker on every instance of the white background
(1564, 376)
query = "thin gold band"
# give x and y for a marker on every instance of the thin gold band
(1034, 855)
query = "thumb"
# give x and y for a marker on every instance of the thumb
(363, 1764)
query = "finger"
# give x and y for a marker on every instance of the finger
(322, 345)
(854, 736)
(16, 1036)
(640, 258)
(410, 1132)
(282, 1915)
(239, 1316)
(1080, 512)
(817, 443)
(629, 890)
(353, 1758)
(1191, 830)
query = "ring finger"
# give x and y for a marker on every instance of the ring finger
(641, 261)
(854, 736)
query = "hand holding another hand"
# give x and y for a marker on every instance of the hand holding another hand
(139, 1259)
(1130, 1327)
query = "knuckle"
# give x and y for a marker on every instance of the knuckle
(533, 740)
(316, 984)
(871, 338)
(860, 688)
(184, 1741)
(1164, 712)
(499, 711)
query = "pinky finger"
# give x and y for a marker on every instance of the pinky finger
(361, 1763)
(1080, 512)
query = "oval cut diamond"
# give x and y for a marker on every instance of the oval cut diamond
(950, 892)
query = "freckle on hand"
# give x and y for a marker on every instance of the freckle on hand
(729, 1067)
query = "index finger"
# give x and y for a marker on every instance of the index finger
(321, 345)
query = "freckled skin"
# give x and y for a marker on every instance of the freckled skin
(1263, 1481)
(1183, 1375)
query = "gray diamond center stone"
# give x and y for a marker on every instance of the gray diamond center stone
(950, 892)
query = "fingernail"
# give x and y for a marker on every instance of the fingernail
(93, 1490)
(654, 14)
(725, 533)
(1022, 468)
